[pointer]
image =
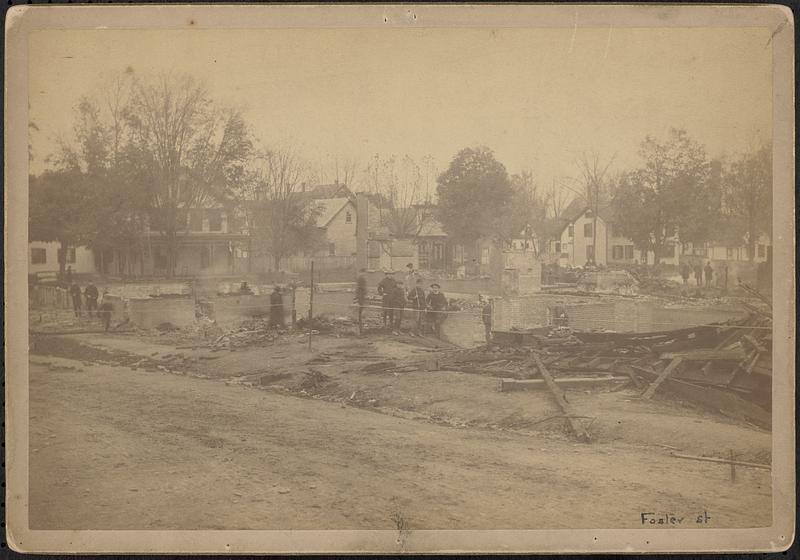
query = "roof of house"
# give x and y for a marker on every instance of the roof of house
(578, 207)
(431, 227)
(329, 208)
(334, 190)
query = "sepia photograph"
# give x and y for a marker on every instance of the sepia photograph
(399, 278)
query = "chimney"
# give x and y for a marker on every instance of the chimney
(362, 230)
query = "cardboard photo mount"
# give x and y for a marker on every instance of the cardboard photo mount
(24, 21)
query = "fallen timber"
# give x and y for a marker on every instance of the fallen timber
(724, 367)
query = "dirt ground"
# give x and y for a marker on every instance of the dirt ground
(127, 433)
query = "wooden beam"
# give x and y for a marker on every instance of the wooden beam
(577, 428)
(669, 370)
(706, 355)
(509, 384)
(725, 461)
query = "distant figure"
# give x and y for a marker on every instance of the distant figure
(486, 315)
(698, 274)
(411, 276)
(709, 274)
(461, 272)
(385, 289)
(397, 301)
(105, 310)
(685, 273)
(91, 294)
(245, 289)
(437, 305)
(75, 292)
(416, 300)
(276, 308)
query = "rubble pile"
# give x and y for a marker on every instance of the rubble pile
(725, 367)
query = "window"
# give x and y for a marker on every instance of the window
(38, 256)
(196, 220)
(70, 255)
(438, 252)
(629, 252)
(160, 260)
(485, 255)
(331, 249)
(558, 246)
(729, 253)
(182, 220)
(571, 230)
(348, 218)
(215, 220)
(762, 250)
(205, 257)
(617, 252)
(590, 253)
(587, 230)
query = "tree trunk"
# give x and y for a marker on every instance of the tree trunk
(171, 243)
(751, 236)
(276, 261)
(62, 259)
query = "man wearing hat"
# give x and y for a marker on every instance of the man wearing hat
(486, 315)
(411, 276)
(416, 299)
(437, 304)
(385, 290)
(276, 308)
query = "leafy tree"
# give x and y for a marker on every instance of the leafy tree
(474, 192)
(747, 197)
(57, 210)
(528, 215)
(184, 150)
(670, 194)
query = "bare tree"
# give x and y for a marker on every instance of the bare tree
(594, 174)
(282, 221)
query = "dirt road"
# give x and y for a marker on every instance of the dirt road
(116, 448)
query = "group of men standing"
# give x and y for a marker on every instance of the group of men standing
(427, 307)
(699, 272)
(91, 294)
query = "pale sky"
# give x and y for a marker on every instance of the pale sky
(537, 97)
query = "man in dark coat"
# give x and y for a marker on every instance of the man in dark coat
(486, 315)
(416, 300)
(105, 310)
(397, 301)
(91, 294)
(709, 274)
(276, 308)
(698, 274)
(75, 292)
(437, 304)
(385, 289)
(685, 273)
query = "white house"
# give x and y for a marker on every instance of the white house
(575, 246)
(337, 217)
(43, 257)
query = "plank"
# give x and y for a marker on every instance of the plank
(673, 365)
(725, 461)
(723, 401)
(577, 428)
(706, 355)
(510, 384)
